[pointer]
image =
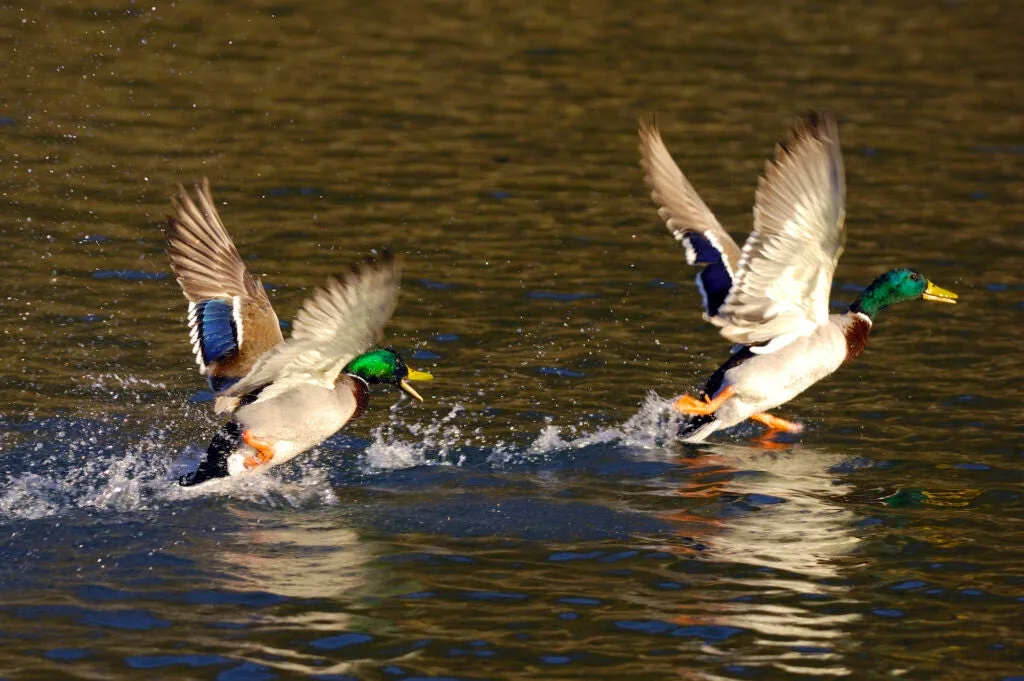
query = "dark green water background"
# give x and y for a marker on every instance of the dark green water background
(534, 519)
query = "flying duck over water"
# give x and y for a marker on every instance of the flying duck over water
(772, 297)
(283, 396)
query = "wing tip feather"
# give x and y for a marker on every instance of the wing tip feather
(812, 124)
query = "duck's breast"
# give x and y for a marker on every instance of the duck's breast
(766, 381)
(299, 419)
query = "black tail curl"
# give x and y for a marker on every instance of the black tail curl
(693, 423)
(215, 465)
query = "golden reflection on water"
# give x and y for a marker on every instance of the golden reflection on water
(795, 543)
(321, 562)
(302, 560)
(495, 145)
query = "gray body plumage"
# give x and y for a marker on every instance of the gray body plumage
(291, 424)
(765, 381)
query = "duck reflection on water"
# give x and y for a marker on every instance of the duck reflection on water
(774, 516)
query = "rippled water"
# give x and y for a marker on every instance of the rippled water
(535, 518)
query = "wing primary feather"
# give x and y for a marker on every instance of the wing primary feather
(784, 276)
(211, 273)
(202, 254)
(688, 218)
(341, 319)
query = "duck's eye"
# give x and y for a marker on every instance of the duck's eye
(915, 276)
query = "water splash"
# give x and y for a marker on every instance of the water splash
(398, 444)
(58, 466)
(654, 425)
(32, 497)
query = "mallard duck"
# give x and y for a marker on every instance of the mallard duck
(284, 396)
(772, 297)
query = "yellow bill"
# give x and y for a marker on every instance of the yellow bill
(414, 376)
(937, 294)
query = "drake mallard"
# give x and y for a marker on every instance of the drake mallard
(284, 396)
(772, 297)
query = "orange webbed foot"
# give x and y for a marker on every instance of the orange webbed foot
(687, 404)
(264, 451)
(777, 424)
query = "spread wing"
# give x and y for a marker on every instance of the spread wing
(785, 271)
(203, 257)
(231, 320)
(689, 219)
(341, 320)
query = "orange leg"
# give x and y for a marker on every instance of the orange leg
(775, 423)
(687, 404)
(264, 451)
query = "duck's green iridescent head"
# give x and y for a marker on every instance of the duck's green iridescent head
(384, 365)
(898, 285)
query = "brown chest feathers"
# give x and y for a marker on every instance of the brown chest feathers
(361, 392)
(856, 335)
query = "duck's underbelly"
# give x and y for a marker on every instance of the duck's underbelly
(764, 382)
(293, 423)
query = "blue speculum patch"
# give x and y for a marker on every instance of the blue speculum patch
(714, 279)
(217, 334)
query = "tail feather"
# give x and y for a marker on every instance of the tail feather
(698, 428)
(215, 465)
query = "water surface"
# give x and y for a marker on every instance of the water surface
(535, 518)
